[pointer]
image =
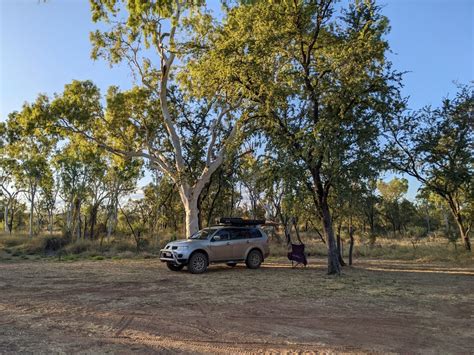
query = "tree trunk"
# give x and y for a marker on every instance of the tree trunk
(192, 216)
(113, 216)
(5, 217)
(428, 224)
(351, 246)
(214, 199)
(339, 250)
(333, 259)
(70, 218)
(9, 222)
(320, 195)
(32, 207)
(93, 220)
(231, 206)
(50, 222)
(78, 222)
(463, 231)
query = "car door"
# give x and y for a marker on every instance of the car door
(220, 246)
(240, 239)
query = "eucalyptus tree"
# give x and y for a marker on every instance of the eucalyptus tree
(436, 146)
(120, 179)
(250, 175)
(95, 159)
(163, 206)
(317, 77)
(49, 194)
(30, 148)
(71, 163)
(392, 193)
(175, 121)
(9, 190)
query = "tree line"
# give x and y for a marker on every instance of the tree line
(278, 109)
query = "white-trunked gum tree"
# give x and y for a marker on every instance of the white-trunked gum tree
(166, 118)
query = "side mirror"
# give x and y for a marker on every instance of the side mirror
(216, 238)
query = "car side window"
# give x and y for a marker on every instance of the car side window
(241, 233)
(236, 233)
(255, 233)
(246, 233)
(224, 234)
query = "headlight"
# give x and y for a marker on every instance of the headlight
(182, 247)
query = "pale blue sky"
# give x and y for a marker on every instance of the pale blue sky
(46, 45)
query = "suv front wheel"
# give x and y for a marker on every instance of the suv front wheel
(254, 259)
(197, 263)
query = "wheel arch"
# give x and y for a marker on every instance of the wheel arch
(200, 250)
(254, 248)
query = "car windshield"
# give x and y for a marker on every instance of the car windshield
(202, 234)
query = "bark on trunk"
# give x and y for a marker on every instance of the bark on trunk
(32, 207)
(192, 216)
(213, 203)
(463, 230)
(93, 220)
(333, 259)
(9, 222)
(351, 246)
(5, 218)
(320, 195)
(113, 214)
(69, 218)
(78, 222)
(50, 222)
(339, 249)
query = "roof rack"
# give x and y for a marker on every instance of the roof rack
(235, 221)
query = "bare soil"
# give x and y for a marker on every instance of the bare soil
(123, 306)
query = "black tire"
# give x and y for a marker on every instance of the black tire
(173, 267)
(232, 264)
(197, 263)
(254, 259)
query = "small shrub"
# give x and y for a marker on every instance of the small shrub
(97, 257)
(79, 247)
(53, 244)
(127, 255)
(122, 245)
(13, 241)
(143, 243)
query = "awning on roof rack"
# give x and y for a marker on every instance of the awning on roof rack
(235, 221)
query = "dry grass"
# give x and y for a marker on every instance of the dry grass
(427, 250)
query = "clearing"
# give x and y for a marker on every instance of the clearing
(136, 305)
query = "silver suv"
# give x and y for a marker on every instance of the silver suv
(230, 243)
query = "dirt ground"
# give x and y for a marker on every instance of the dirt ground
(123, 306)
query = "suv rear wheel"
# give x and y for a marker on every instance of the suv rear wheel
(254, 259)
(197, 263)
(173, 267)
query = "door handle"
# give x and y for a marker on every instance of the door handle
(228, 243)
(248, 241)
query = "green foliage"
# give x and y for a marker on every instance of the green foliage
(436, 146)
(276, 110)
